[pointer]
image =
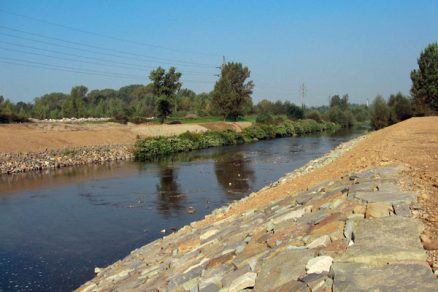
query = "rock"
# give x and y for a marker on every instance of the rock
(208, 234)
(428, 242)
(244, 281)
(230, 277)
(334, 229)
(220, 260)
(294, 214)
(322, 241)
(319, 265)
(387, 197)
(377, 210)
(281, 268)
(402, 209)
(292, 285)
(386, 240)
(392, 277)
(317, 281)
(97, 270)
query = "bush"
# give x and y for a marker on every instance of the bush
(264, 118)
(314, 115)
(150, 148)
(6, 118)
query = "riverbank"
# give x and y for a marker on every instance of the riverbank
(38, 146)
(206, 249)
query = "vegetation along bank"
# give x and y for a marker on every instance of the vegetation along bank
(150, 148)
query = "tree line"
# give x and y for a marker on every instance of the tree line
(230, 98)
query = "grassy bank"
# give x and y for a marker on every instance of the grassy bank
(151, 148)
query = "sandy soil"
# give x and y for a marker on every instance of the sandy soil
(41, 136)
(413, 143)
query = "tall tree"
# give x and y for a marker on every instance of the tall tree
(425, 80)
(164, 87)
(379, 113)
(232, 92)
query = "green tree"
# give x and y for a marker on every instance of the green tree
(400, 108)
(163, 108)
(425, 80)
(379, 113)
(164, 87)
(232, 92)
(74, 105)
(341, 102)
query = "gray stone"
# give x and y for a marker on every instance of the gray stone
(402, 209)
(228, 279)
(317, 281)
(392, 277)
(282, 267)
(386, 240)
(388, 197)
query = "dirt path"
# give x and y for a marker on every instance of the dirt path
(41, 136)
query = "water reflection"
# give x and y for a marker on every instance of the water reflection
(169, 192)
(234, 173)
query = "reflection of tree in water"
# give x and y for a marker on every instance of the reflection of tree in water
(234, 173)
(169, 194)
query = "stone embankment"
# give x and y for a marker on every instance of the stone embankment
(70, 120)
(356, 233)
(52, 159)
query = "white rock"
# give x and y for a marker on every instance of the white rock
(322, 241)
(208, 234)
(245, 281)
(295, 214)
(319, 265)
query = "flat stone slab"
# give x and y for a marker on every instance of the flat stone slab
(393, 277)
(386, 240)
(282, 267)
(386, 197)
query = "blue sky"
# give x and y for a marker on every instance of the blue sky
(362, 48)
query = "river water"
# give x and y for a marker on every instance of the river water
(56, 227)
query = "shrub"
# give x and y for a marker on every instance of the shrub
(314, 115)
(150, 148)
(264, 118)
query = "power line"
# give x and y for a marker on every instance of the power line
(104, 35)
(86, 50)
(48, 67)
(119, 64)
(137, 68)
(34, 64)
(118, 52)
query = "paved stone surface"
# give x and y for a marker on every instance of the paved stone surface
(385, 240)
(393, 277)
(354, 234)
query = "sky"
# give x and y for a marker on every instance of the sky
(360, 48)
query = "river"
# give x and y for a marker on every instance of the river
(57, 226)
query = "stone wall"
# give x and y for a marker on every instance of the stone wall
(23, 162)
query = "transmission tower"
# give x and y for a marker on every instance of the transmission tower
(302, 94)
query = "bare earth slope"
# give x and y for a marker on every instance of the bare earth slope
(41, 136)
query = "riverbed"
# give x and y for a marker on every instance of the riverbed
(57, 226)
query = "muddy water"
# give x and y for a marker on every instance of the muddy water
(56, 227)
